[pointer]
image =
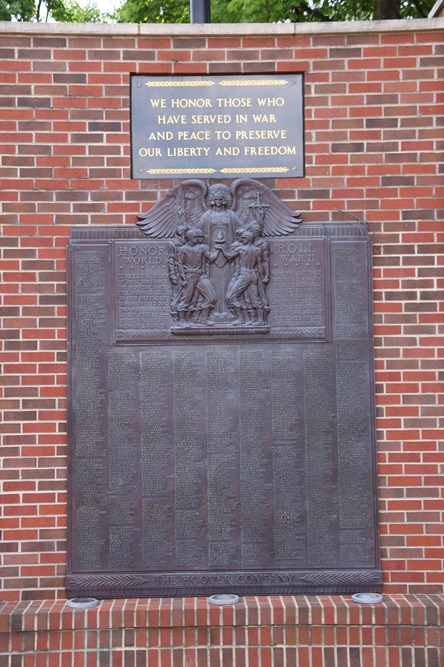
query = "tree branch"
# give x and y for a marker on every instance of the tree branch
(304, 7)
(420, 9)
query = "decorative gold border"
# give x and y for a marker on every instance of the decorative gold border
(180, 171)
(178, 84)
(254, 82)
(226, 82)
(252, 170)
(226, 170)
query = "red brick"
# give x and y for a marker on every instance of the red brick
(392, 179)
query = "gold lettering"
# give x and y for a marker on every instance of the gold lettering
(184, 103)
(271, 101)
(172, 120)
(210, 119)
(150, 152)
(200, 135)
(228, 150)
(160, 136)
(234, 102)
(269, 150)
(263, 118)
(261, 134)
(188, 151)
(223, 134)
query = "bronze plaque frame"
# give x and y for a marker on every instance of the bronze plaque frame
(221, 461)
(217, 126)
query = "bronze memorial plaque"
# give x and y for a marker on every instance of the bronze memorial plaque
(221, 401)
(217, 126)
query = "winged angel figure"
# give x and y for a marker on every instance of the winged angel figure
(219, 259)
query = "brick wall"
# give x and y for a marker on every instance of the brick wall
(319, 631)
(374, 115)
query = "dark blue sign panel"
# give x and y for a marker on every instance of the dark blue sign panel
(217, 126)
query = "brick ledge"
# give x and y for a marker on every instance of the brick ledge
(38, 616)
(220, 29)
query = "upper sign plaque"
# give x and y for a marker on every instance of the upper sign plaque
(217, 126)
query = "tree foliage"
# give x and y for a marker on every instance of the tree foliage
(154, 11)
(222, 11)
(266, 11)
(63, 11)
(69, 11)
(19, 10)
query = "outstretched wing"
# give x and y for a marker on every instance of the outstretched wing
(182, 205)
(278, 219)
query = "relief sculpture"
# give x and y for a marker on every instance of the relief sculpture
(219, 258)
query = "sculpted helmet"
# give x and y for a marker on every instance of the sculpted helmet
(181, 231)
(255, 228)
(193, 232)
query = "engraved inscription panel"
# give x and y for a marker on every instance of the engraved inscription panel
(142, 288)
(298, 289)
(255, 460)
(350, 289)
(89, 335)
(189, 458)
(222, 458)
(217, 463)
(123, 457)
(320, 439)
(287, 419)
(354, 468)
(156, 382)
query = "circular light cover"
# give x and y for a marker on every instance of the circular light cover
(367, 598)
(82, 603)
(223, 599)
